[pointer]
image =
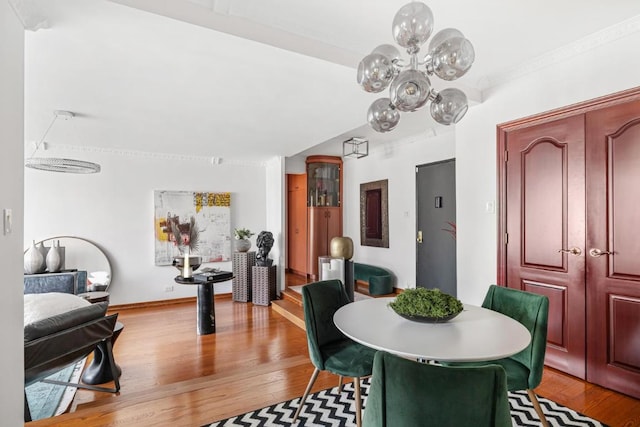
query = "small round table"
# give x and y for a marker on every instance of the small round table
(206, 309)
(476, 334)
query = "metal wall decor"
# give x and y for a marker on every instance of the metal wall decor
(374, 214)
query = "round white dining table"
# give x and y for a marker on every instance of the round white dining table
(476, 334)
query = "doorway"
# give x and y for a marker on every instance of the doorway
(436, 226)
(568, 226)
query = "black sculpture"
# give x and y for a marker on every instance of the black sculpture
(265, 243)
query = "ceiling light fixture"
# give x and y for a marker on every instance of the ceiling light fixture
(355, 147)
(449, 57)
(53, 164)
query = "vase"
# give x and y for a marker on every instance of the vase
(243, 245)
(53, 259)
(33, 260)
(43, 249)
(341, 247)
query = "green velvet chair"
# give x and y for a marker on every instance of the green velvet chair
(329, 349)
(413, 394)
(524, 369)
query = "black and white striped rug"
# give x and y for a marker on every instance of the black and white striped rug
(328, 408)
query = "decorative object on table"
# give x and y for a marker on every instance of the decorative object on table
(341, 247)
(242, 235)
(426, 305)
(263, 284)
(449, 56)
(52, 164)
(211, 212)
(43, 249)
(374, 214)
(34, 262)
(264, 243)
(53, 259)
(241, 286)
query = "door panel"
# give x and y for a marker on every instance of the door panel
(545, 215)
(436, 219)
(613, 220)
(297, 223)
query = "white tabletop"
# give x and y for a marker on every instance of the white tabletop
(476, 334)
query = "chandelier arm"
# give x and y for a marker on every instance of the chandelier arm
(39, 143)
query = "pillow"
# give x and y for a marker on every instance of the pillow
(41, 306)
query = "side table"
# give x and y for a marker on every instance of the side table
(94, 297)
(206, 319)
(99, 372)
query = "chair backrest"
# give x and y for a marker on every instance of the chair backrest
(320, 300)
(532, 310)
(412, 394)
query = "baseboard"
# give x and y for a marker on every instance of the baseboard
(159, 303)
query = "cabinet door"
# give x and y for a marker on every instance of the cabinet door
(317, 235)
(297, 224)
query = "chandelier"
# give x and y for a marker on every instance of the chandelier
(54, 164)
(449, 57)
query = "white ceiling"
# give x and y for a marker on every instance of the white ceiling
(250, 79)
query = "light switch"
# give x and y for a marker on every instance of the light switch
(7, 215)
(490, 207)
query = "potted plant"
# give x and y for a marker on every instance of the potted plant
(242, 235)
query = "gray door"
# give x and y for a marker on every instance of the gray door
(436, 226)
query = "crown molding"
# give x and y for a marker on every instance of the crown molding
(211, 160)
(585, 44)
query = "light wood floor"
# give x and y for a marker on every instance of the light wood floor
(173, 377)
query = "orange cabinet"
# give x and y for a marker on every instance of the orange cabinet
(324, 207)
(297, 223)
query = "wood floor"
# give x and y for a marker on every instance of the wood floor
(173, 377)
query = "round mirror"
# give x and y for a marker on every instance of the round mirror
(83, 254)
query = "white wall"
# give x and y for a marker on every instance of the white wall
(275, 190)
(114, 208)
(11, 137)
(395, 162)
(607, 69)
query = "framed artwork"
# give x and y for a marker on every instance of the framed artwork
(200, 220)
(374, 214)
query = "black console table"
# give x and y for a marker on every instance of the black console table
(206, 310)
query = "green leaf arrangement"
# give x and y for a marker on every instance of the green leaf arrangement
(423, 302)
(242, 233)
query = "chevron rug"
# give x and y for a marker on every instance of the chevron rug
(328, 408)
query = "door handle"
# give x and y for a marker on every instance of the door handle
(573, 251)
(419, 239)
(595, 252)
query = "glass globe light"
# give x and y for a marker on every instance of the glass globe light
(375, 72)
(382, 116)
(449, 106)
(410, 90)
(452, 58)
(412, 25)
(388, 50)
(442, 36)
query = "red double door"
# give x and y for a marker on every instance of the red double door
(570, 230)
